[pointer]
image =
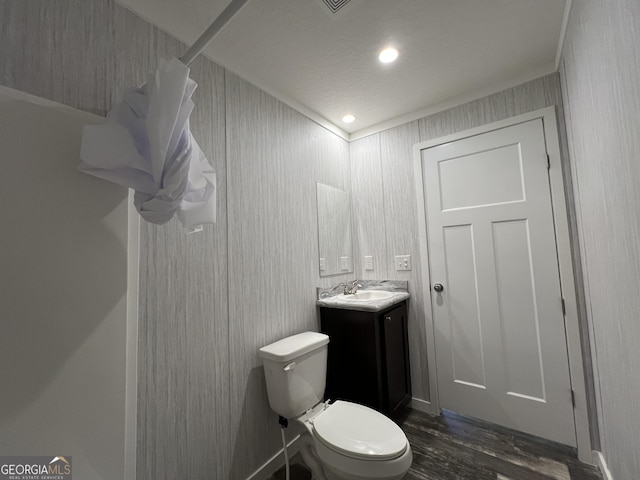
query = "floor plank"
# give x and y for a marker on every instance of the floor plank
(452, 447)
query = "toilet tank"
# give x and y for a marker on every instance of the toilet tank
(295, 369)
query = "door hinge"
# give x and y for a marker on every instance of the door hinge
(564, 308)
(548, 162)
(573, 398)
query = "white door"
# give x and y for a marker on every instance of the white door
(500, 339)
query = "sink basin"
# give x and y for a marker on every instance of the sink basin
(366, 296)
(365, 300)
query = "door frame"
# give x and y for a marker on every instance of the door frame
(563, 241)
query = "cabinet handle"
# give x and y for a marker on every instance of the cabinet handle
(388, 319)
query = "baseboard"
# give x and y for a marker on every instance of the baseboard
(423, 406)
(601, 463)
(274, 463)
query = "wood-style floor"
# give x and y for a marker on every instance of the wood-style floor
(451, 447)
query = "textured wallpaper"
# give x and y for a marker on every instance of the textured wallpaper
(207, 301)
(600, 72)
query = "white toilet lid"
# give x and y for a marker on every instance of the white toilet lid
(358, 431)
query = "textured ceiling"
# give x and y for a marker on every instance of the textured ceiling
(326, 65)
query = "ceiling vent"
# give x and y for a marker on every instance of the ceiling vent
(332, 7)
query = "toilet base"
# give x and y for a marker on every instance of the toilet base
(308, 453)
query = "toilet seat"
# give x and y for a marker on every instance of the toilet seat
(359, 432)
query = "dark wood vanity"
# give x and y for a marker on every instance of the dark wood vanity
(368, 357)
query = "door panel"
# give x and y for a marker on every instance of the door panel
(517, 309)
(465, 329)
(463, 185)
(499, 329)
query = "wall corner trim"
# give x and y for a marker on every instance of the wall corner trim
(563, 32)
(424, 406)
(601, 463)
(131, 379)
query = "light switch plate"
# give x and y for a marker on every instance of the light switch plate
(368, 262)
(322, 264)
(344, 264)
(403, 262)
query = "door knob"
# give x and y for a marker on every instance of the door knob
(438, 287)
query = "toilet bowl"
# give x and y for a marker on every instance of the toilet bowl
(340, 440)
(354, 442)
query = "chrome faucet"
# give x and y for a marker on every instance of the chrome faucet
(351, 287)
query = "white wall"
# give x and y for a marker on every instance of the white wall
(600, 72)
(63, 293)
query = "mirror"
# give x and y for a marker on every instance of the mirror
(334, 231)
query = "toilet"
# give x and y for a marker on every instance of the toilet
(340, 440)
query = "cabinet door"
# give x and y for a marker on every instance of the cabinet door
(396, 352)
(354, 366)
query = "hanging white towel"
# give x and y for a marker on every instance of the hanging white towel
(146, 145)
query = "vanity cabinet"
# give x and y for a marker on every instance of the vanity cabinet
(368, 358)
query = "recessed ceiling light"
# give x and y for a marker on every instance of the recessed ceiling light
(388, 55)
(348, 118)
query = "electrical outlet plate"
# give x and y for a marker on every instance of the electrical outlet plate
(403, 262)
(344, 264)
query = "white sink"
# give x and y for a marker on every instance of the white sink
(366, 296)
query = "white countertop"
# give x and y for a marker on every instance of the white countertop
(338, 301)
